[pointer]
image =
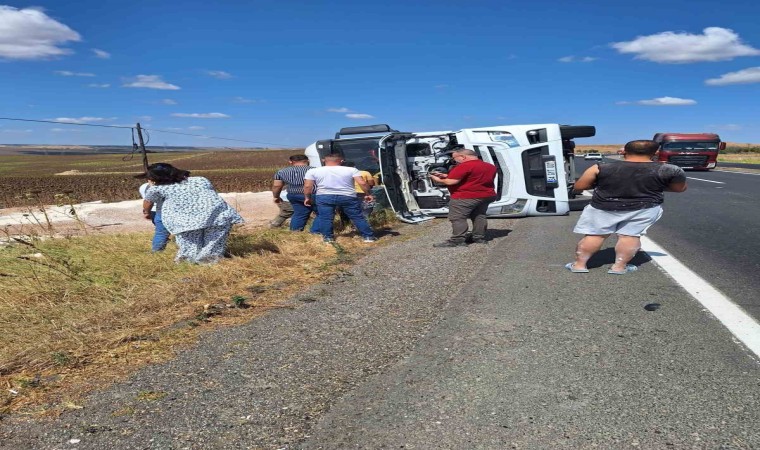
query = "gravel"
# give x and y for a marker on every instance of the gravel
(263, 384)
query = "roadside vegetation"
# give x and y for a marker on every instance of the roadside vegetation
(79, 312)
(740, 153)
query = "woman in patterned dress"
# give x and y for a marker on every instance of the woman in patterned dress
(192, 211)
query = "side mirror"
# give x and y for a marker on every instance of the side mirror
(722, 146)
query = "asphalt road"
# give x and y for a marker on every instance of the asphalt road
(480, 347)
(712, 228)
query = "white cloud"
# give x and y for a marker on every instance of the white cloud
(168, 101)
(744, 76)
(85, 119)
(242, 100)
(102, 54)
(338, 110)
(196, 128)
(359, 116)
(571, 58)
(30, 34)
(66, 73)
(213, 115)
(667, 101)
(101, 86)
(715, 44)
(727, 127)
(65, 130)
(219, 74)
(15, 131)
(150, 82)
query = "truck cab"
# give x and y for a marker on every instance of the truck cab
(696, 151)
(534, 165)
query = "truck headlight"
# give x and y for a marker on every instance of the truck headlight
(513, 208)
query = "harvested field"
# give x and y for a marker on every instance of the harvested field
(39, 179)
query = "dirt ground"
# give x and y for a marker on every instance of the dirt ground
(257, 208)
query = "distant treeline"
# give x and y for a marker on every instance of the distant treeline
(749, 148)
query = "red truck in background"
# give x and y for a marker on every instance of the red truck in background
(697, 151)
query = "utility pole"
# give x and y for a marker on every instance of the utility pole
(142, 147)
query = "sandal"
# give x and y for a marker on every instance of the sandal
(569, 266)
(628, 268)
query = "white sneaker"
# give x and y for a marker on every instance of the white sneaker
(370, 239)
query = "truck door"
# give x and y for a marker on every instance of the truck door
(396, 179)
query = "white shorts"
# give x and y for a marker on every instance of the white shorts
(628, 223)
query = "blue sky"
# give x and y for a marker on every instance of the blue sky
(289, 73)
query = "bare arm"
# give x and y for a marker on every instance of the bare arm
(147, 206)
(308, 188)
(365, 186)
(588, 179)
(676, 186)
(277, 186)
(444, 180)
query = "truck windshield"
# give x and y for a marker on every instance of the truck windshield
(362, 152)
(682, 146)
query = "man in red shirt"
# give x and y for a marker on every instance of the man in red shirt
(472, 190)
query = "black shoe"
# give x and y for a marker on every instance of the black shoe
(479, 241)
(450, 244)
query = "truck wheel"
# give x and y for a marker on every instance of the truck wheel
(576, 131)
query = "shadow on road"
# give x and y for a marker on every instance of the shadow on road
(607, 257)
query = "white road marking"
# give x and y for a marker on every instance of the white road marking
(733, 171)
(709, 181)
(739, 323)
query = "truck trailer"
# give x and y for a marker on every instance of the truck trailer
(535, 165)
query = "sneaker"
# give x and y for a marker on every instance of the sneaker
(328, 240)
(450, 244)
(370, 239)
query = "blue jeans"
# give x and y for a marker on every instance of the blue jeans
(161, 235)
(301, 213)
(326, 205)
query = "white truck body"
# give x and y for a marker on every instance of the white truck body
(534, 165)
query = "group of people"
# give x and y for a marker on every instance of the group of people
(626, 202)
(336, 186)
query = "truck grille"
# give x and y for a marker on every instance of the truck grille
(688, 160)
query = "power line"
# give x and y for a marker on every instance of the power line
(66, 123)
(214, 137)
(148, 129)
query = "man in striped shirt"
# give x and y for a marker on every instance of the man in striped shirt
(293, 177)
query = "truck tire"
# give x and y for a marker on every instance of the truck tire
(576, 131)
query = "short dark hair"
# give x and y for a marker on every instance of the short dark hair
(334, 157)
(296, 158)
(164, 173)
(642, 147)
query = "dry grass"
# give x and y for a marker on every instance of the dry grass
(79, 312)
(741, 158)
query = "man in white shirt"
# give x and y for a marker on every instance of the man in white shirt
(335, 188)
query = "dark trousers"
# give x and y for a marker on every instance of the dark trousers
(301, 212)
(461, 209)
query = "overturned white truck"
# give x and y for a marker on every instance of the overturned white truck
(534, 163)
